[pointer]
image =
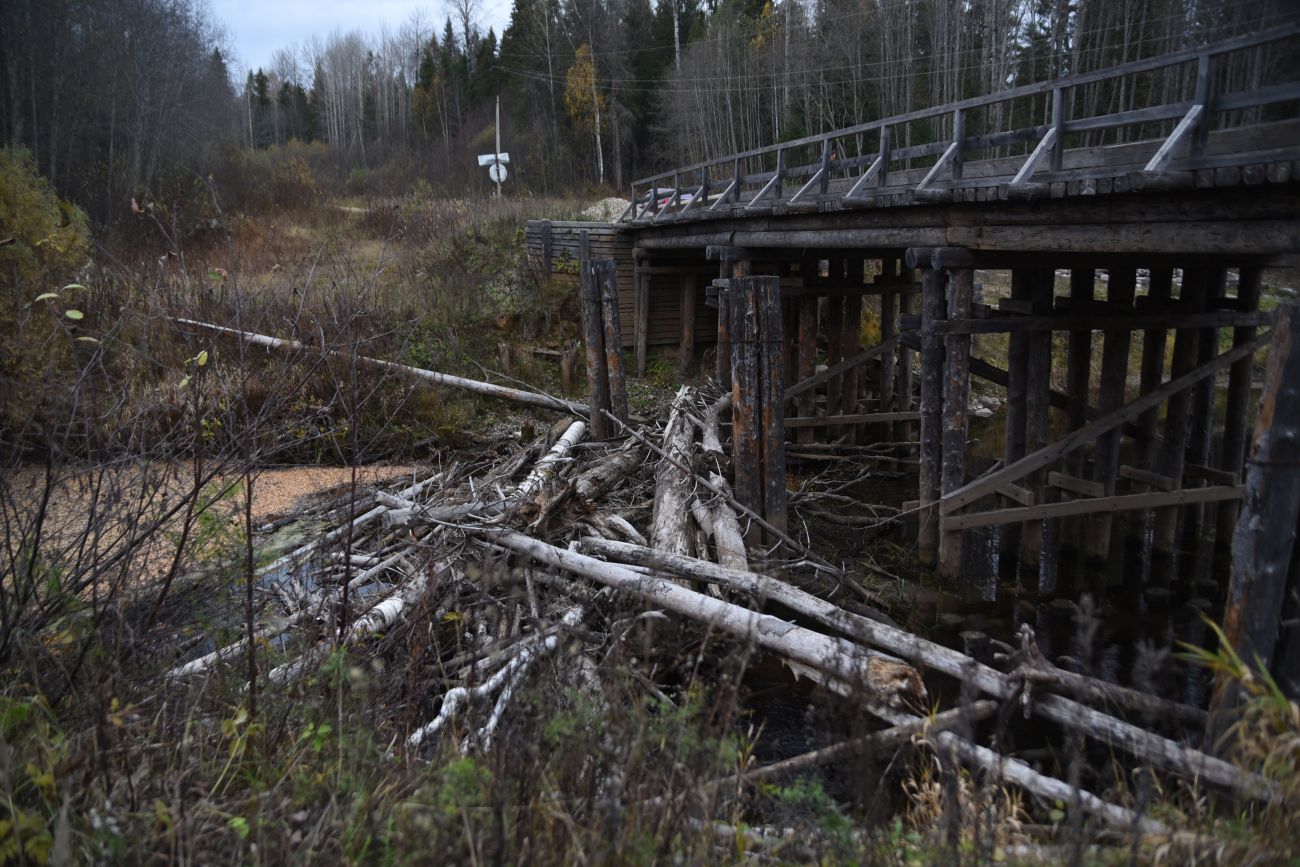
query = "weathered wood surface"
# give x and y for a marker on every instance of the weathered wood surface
(606, 283)
(932, 409)
(956, 398)
(746, 396)
(1110, 397)
(672, 484)
(767, 300)
(1237, 406)
(986, 484)
(593, 338)
(1263, 570)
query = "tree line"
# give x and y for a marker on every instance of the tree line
(116, 98)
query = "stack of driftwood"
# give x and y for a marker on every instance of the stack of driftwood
(549, 541)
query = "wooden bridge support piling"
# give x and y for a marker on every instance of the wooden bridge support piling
(908, 304)
(956, 399)
(851, 345)
(757, 392)
(603, 271)
(1264, 570)
(1200, 436)
(1191, 299)
(593, 337)
(932, 369)
(1233, 452)
(1038, 402)
(806, 364)
(1120, 288)
(888, 328)
(1013, 448)
(1154, 340)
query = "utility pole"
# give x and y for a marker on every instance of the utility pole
(498, 148)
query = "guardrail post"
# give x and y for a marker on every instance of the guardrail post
(1058, 125)
(883, 174)
(826, 166)
(959, 138)
(1203, 98)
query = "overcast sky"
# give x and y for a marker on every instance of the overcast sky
(256, 28)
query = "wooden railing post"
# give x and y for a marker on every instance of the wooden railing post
(883, 174)
(826, 166)
(959, 139)
(1204, 98)
(1058, 125)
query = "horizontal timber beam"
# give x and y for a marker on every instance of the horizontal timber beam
(1090, 506)
(862, 418)
(1070, 321)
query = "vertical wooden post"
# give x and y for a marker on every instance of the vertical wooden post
(1202, 422)
(1078, 365)
(746, 400)
(1038, 402)
(687, 357)
(1110, 396)
(767, 299)
(1191, 299)
(1233, 452)
(1013, 446)
(1153, 367)
(642, 307)
(593, 336)
(907, 303)
(851, 344)
(932, 367)
(722, 361)
(833, 311)
(1264, 539)
(806, 403)
(888, 328)
(606, 274)
(956, 399)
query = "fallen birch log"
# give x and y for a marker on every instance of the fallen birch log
(402, 511)
(884, 678)
(306, 612)
(1158, 750)
(728, 540)
(673, 484)
(487, 389)
(380, 617)
(606, 475)
(1021, 774)
(548, 466)
(293, 558)
(524, 652)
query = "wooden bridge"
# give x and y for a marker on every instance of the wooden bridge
(1150, 225)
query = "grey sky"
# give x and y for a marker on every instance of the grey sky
(256, 28)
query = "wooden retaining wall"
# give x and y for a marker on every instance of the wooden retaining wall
(552, 247)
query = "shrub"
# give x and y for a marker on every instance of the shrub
(44, 239)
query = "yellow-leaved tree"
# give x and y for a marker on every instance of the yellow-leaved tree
(583, 100)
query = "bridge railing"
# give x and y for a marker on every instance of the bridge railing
(926, 155)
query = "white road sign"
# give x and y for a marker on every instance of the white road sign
(490, 159)
(497, 172)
